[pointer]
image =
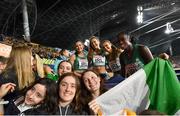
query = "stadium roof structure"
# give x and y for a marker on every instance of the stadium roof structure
(59, 23)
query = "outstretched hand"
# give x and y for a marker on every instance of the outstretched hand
(164, 56)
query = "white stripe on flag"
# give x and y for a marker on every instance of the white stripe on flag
(177, 113)
(131, 94)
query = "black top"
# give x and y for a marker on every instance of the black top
(37, 111)
(64, 111)
(11, 109)
(69, 110)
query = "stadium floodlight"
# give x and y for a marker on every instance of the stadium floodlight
(87, 42)
(169, 28)
(140, 14)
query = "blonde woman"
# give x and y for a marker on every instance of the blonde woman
(18, 70)
(38, 66)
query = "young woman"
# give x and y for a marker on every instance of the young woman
(69, 95)
(79, 59)
(113, 60)
(92, 87)
(18, 70)
(64, 55)
(63, 67)
(112, 56)
(134, 57)
(40, 98)
(96, 58)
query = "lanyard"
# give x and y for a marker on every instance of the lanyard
(61, 114)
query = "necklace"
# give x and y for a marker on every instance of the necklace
(60, 110)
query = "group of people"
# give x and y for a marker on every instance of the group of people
(44, 96)
(79, 80)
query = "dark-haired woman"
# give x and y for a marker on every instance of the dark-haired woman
(92, 87)
(113, 60)
(79, 59)
(135, 56)
(40, 98)
(64, 67)
(69, 95)
(112, 56)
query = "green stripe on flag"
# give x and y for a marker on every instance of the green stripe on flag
(164, 86)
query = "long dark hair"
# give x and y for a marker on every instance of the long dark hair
(51, 99)
(67, 62)
(75, 45)
(86, 94)
(76, 103)
(115, 50)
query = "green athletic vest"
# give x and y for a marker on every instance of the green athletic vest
(134, 63)
(81, 63)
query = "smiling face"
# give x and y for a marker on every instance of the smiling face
(124, 41)
(79, 46)
(91, 81)
(107, 46)
(64, 67)
(35, 95)
(95, 43)
(67, 89)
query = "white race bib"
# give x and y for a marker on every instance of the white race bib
(115, 65)
(99, 60)
(83, 64)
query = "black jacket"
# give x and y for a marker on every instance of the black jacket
(12, 109)
(70, 111)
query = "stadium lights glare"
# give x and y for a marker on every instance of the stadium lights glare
(87, 42)
(140, 14)
(169, 28)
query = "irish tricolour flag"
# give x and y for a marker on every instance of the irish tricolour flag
(154, 87)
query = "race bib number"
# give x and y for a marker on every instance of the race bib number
(131, 69)
(99, 60)
(115, 66)
(83, 64)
